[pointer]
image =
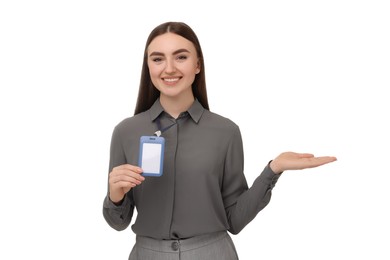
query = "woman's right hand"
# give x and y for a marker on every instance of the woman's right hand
(121, 179)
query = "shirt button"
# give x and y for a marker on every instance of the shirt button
(175, 246)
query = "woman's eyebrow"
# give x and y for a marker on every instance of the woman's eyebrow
(156, 53)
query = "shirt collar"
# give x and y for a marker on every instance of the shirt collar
(195, 111)
(155, 110)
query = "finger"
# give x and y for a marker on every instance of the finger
(130, 167)
(125, 184)
(133, 168)
(136, 179)
(327, 159)
(318, 161)
(118, 171)
(306, 155)
(129, 173)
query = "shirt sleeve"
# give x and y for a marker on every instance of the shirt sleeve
(242, 204)
(118, 216)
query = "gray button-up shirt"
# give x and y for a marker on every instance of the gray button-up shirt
(203, 188)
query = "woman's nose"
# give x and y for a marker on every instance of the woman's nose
(170, 66)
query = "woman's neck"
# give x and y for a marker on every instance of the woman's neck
(174, 106)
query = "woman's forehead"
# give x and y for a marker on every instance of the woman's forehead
(169, 43)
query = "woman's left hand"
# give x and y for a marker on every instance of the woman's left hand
(298, 161)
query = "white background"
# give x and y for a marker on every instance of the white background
(312, 75)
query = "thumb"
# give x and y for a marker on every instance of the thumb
(306, 155)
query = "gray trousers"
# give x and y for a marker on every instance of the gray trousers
(215, 246)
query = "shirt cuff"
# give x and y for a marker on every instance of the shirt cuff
(268, 177)
(111, 205)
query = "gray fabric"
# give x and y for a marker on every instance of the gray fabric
(203, 188)
(215, 246)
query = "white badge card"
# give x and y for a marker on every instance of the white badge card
(151, 155)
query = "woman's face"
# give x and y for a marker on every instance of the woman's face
(173, 64)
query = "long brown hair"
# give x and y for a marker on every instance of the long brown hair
(147, 93)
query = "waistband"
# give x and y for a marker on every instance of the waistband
(179, 244)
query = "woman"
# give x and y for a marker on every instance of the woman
(203, 194)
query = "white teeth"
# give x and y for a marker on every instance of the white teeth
(172, 80)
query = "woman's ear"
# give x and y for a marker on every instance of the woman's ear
(197, 68)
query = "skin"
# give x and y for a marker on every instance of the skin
(173, 64)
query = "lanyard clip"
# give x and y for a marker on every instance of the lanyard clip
(157, 133)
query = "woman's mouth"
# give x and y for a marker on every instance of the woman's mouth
(171, 79)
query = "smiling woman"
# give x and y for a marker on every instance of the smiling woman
(173, 63)
(202, 194)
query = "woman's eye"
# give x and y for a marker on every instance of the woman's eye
(157, 59)
(182, 57)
